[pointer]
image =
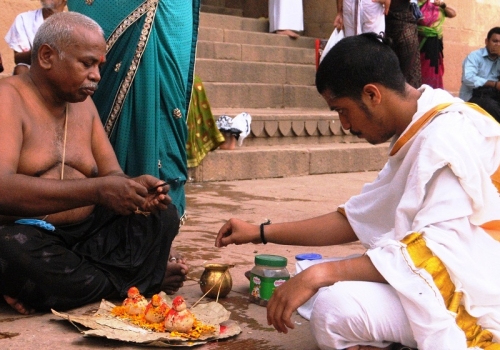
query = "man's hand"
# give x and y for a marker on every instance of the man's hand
(236, 231)
(386, 4)
(288, 297)
(125, 196)
(338, 23)
(157, 197)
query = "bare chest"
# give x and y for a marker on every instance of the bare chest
(57, 149)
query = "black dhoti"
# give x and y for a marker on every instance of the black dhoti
(76, 264)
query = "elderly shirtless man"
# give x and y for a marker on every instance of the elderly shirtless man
(75, 228)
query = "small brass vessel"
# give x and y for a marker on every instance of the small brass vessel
(216, 280)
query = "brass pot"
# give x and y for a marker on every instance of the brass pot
(216, 280)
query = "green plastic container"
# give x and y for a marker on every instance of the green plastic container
(268, 273)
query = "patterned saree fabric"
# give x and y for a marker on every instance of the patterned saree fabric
(146, 83)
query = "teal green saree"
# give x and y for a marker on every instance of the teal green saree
(146, 83)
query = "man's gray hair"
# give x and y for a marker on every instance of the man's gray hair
(57, 32)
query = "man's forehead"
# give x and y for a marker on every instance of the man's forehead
(495, 37)
(87, 34)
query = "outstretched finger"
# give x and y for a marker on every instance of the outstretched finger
(222, 239)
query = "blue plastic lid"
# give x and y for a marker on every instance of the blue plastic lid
(308, 256)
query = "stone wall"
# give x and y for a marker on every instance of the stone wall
(462, 34)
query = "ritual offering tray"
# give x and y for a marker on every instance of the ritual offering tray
(143, 325)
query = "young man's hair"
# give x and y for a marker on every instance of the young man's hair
(494, 30)
(57, 31)
(356, 61)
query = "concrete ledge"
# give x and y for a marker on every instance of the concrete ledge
(215, 20)
(231, 71)
(221, 10)
(252, 95)
(253, 38)
(348, 158)
(245, 163)
(254, 53)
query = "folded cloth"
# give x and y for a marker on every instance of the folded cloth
(242, 122)
(239, 126)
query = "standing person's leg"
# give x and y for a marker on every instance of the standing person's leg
(359, 313)
(402, 29)
(350, 17)
(372, 17)
(286, 17)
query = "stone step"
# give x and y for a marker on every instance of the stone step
(245, 163)
(253, 38)
(221, 10)
(271, 77)
(235, 22)
(253, 95)
(291, 126)
(255, 72)
(254, 53)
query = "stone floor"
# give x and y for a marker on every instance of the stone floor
(210, 204)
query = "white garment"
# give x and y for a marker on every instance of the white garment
(22, 32)
(286, 14)
(437, 184)
(362, 16)
(357, 313)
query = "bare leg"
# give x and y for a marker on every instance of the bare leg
(176, 272)
(229, 142)
(18, 306)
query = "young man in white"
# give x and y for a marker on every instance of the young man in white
(429, 278)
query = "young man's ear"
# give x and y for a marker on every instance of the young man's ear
(46, 55)
(372, 94)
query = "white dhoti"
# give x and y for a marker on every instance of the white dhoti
(363, 16)
(286, 14)
(355, 313)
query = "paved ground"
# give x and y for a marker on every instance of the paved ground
(209, 205)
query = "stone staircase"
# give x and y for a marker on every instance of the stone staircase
(246, 69)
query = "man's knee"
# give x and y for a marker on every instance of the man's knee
(335, 305)
(170, 220)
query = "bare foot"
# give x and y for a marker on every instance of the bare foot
(176, 256)
(176, 272)
(288, 32)
(18, 306)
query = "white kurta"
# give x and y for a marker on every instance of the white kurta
(437, 184)
(22, 32)
(286, 14)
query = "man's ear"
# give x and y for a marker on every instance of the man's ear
(46, 55)
(372, 94)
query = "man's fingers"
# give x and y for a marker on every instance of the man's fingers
(223, 235)
(275, 314)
